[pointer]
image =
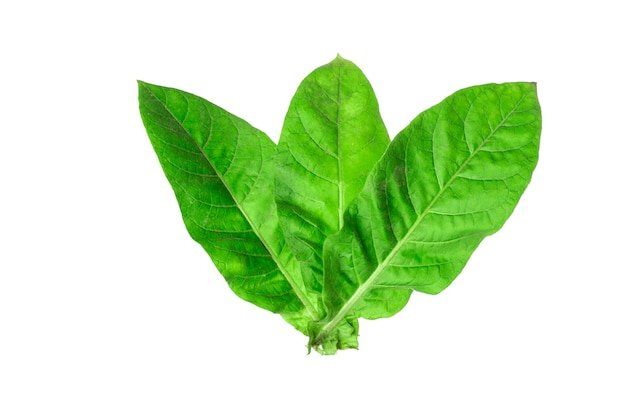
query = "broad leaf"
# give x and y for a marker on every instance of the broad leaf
(447, 181)
(221, 171)
(332, 137)
(336, 223)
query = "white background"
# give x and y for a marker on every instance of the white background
(108, 308)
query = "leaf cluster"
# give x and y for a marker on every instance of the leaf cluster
(336, 222)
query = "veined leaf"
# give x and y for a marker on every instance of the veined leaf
(221, 171)
(447, 181)
(332, 137)
(274, 218)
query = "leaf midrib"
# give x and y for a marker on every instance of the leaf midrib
(369, 282)
(308, 305)
(339, 154)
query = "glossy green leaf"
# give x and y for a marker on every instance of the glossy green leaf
(447, 181)
(221, 171)
(332, 137)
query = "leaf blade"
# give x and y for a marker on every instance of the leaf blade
(417, 220)
(220, 169)
(332, 136)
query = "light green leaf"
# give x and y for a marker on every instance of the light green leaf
(447, 181)
(221, 171)
(274, 218)
(332, 137)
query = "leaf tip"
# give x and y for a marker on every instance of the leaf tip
(142, 85)
(339, 59)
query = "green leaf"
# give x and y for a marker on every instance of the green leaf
(447, 181)
(221, 171)
(332, 137)
(274, 218)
